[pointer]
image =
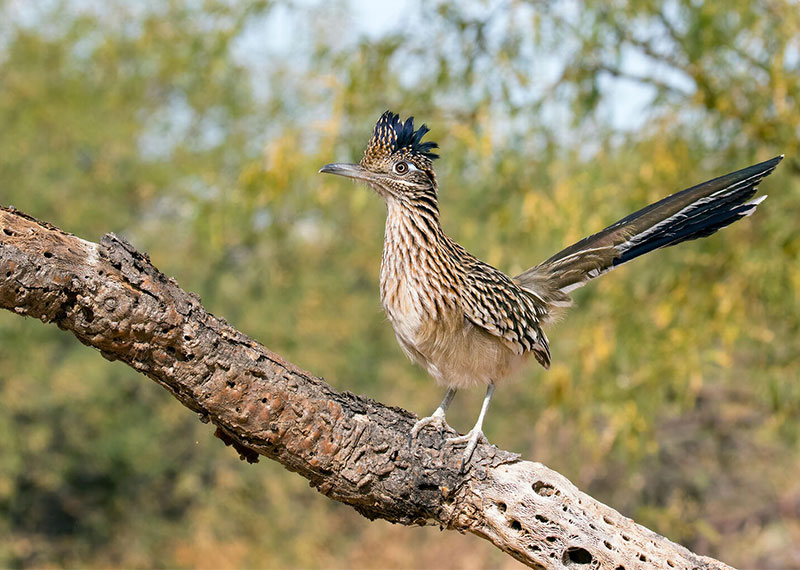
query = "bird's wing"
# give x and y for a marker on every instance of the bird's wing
(493, 302)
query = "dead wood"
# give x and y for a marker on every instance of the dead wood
(351, 448)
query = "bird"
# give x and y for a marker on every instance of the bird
(468, 323)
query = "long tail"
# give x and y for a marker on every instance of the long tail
(690, 214)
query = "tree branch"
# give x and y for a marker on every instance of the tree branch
(350, 448)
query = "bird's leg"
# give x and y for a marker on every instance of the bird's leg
(436, 419)
(476, 433)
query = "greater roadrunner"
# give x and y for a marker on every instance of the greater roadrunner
(468, 323)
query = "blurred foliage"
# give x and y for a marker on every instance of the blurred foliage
(196, 128)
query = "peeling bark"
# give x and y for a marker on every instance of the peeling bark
(352, 449)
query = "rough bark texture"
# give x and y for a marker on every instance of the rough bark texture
(350, 448)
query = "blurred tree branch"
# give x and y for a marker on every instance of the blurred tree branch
(350, 448)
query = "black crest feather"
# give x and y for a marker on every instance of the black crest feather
(405, 136)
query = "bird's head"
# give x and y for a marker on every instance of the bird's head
(396, 163)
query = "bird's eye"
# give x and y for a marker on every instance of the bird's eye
(401, 167)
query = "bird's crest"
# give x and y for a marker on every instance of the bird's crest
(391, 135)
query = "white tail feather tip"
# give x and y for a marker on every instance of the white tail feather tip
(757, 201)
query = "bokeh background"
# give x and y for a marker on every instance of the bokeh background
(195, 129)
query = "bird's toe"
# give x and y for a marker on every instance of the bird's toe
(434, 420)
(472, 439)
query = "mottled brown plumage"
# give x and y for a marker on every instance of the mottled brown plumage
(468, 323)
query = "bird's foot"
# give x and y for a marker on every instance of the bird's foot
(472, 439)
(436, 420)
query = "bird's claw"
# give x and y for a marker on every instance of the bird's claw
(472, 438)
(435, 420)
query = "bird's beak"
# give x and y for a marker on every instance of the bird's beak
(348, 170)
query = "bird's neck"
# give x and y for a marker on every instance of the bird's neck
(413, 230)
(417, 261)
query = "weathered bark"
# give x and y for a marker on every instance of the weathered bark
(350, 448)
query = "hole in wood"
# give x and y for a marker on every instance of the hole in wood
(502, 507)
(544, 489)
(515, 525)
(577, 555)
